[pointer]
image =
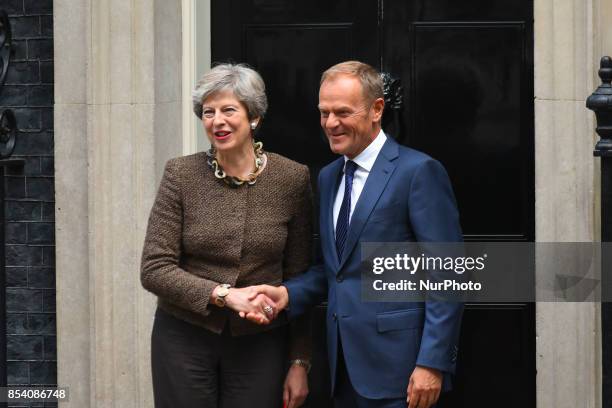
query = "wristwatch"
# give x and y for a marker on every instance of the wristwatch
(302, 363)
(222, 292)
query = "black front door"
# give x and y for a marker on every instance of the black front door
(466, 75)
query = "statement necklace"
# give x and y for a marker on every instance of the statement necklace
(260, 160)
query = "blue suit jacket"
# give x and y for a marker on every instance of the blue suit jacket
(407, 197)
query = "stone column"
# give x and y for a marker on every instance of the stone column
(603, 13)
(117, 120)
(566, 60)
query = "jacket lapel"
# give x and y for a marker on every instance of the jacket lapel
(375, 185)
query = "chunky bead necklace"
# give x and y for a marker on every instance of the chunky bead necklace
(232, 181)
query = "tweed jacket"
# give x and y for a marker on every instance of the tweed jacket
(202, 233)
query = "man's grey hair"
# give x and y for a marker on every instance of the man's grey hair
(368, 76)
(244, 82)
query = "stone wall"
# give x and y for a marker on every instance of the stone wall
(118, 108)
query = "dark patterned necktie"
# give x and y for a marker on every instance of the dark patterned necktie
(342, 224)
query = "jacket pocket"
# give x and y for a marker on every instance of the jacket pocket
(400, 320)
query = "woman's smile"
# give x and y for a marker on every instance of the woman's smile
(222, 134)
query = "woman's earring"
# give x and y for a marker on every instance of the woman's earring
(253, 125)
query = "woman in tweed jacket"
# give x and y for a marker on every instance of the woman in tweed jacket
(223, 220)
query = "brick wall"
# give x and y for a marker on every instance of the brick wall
(29, 211)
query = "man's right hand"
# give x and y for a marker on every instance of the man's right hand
(278, 294)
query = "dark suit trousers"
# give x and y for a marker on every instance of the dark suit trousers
(345, 396)
(196, 368)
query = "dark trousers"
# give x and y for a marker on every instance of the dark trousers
(345, 396)
(196, 368)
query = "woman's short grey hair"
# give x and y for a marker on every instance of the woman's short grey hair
(245, 83)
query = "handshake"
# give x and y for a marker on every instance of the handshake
(260, 304)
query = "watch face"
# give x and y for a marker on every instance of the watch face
(223, 291)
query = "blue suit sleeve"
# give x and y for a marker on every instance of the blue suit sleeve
(306, 291)
(434, 218)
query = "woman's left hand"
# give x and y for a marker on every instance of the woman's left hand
(295, 390)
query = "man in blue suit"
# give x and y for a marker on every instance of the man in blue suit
(381, 354)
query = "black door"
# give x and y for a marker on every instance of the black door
(466, 98)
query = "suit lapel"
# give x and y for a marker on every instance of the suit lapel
(375, 185)
(328, 196)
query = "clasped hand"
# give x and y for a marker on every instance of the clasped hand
(259, 304)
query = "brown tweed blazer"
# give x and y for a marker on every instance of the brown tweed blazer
(203, 232)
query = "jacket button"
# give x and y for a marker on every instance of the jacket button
(335, 317)
(339, 278)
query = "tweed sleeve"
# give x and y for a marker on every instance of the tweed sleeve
(160, 271)
(297, 258)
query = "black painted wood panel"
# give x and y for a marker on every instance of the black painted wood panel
(288, 58)
(461, 73)
(495, 366)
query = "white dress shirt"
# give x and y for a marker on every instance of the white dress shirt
(364, 161)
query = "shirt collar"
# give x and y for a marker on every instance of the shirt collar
(366, 159)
